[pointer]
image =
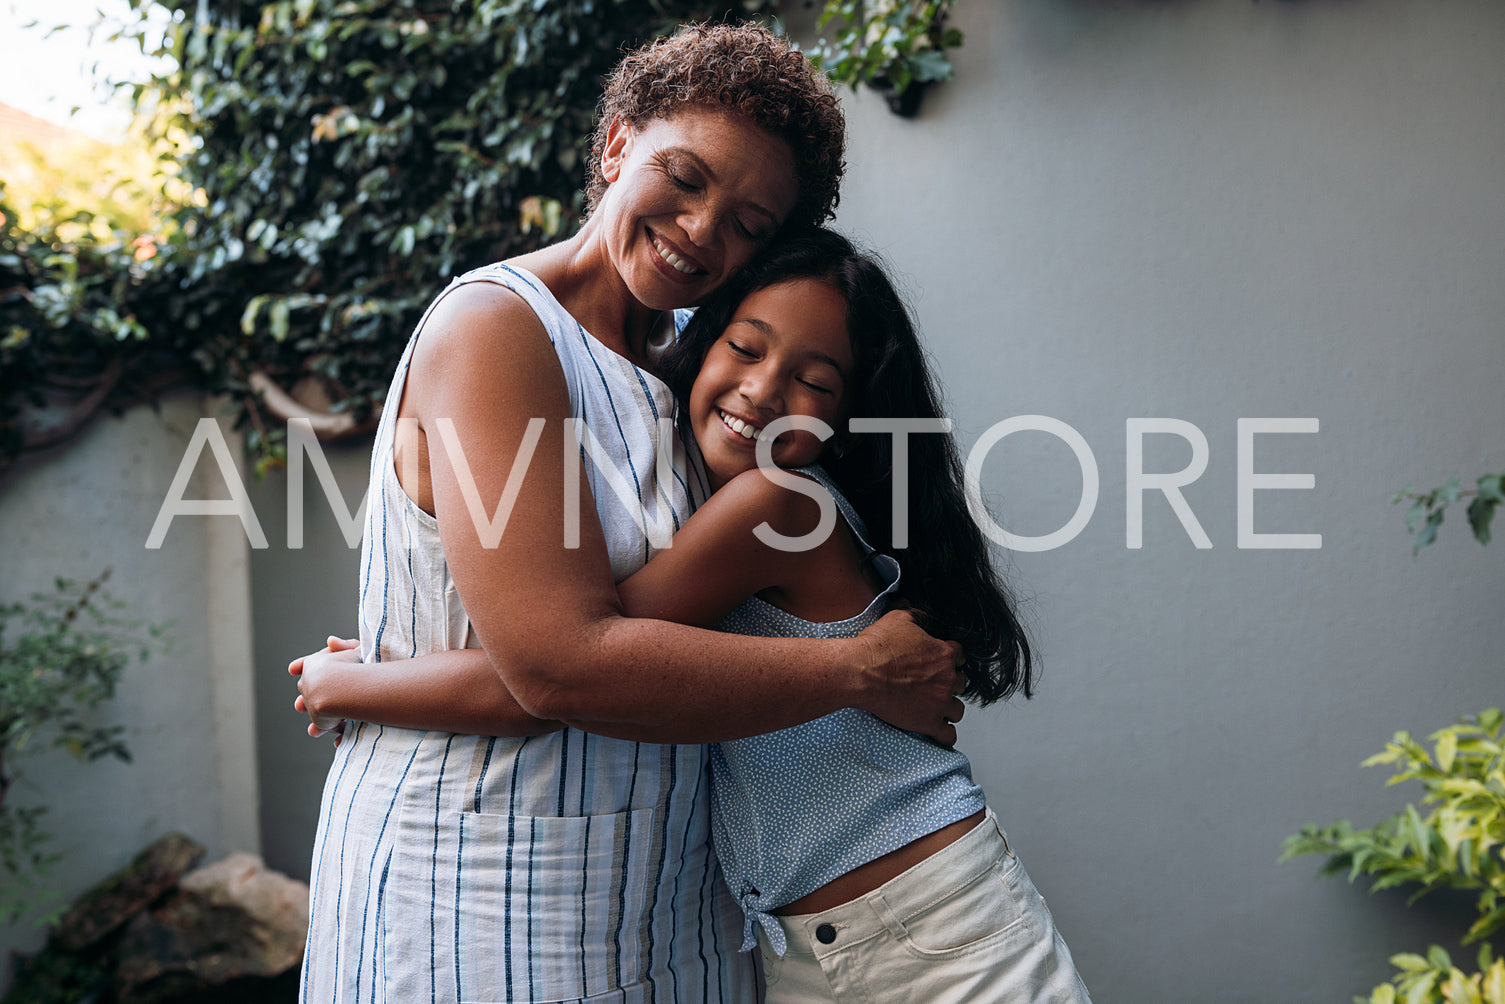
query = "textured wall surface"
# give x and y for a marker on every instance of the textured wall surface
(74, 511)
(1214, 211)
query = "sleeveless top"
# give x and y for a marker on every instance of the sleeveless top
(794, 809)
(551, 868)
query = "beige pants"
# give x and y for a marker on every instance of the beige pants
(964, 926)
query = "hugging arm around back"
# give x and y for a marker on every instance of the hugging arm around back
(558, 646)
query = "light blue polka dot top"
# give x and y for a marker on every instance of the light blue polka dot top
(794, 809)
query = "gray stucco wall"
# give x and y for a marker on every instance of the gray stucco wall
(1211, 211)
(298, 597)
(74, 511)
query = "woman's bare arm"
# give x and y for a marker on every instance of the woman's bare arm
(557, 637)
(715, 563)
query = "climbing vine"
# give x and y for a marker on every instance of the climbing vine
(334, 163)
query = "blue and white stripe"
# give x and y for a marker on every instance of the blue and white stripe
(564, 867)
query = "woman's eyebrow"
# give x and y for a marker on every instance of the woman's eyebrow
(689, 154)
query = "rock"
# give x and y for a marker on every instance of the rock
(120, 897)
(232, 930)
(54, 977)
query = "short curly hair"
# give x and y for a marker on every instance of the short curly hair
(747, 70)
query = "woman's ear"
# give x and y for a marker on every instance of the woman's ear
(619, 137)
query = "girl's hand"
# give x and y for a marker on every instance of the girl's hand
(914, 677)
(310, 670)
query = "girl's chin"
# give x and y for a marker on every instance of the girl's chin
(727, 465)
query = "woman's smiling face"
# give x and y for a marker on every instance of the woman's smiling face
(689, 200)
(786, 351)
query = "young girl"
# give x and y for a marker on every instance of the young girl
(863, 856)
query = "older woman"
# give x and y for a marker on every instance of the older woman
(564, 865)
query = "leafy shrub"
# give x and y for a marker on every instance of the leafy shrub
(70, 335)
(352, 155)
(329, 164)
(1433, 977)
(61, 657)
(1459, 843)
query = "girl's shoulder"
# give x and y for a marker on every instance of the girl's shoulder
(822, 570)
(789, 502)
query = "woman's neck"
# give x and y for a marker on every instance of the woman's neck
(585, 283)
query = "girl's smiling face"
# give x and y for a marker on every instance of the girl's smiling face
(786, 351)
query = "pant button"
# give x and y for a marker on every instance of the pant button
(825, 934)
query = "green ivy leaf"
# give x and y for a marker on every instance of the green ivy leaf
(278, 318)
(1410, 962)
(1481, 511)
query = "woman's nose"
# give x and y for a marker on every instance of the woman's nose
(699, 226)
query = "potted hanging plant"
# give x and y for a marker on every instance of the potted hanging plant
(897, 47)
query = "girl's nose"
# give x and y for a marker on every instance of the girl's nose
(762, 391)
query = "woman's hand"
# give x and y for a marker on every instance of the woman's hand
(456, 690)
(311, 670)
(915, 677)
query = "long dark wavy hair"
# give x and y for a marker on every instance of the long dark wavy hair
(949, 580)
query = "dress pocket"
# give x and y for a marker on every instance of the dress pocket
(983, 910)
(481, 907)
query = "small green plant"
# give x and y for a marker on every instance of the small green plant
(61, 657)
(1433, 977)
(1460, 842)
(1428, 508)
(897, 46)
(1456, 844)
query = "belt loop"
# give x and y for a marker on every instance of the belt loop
(999, 827)
(886, 914)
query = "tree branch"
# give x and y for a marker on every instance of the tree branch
(35, 438)
(327, 426)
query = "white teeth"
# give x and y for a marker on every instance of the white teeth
(673, 259)
(740, 427)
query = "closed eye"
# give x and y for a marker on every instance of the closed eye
(817, 387)
(739, 350)
(750, 233)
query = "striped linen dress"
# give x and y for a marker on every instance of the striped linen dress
(564, 867)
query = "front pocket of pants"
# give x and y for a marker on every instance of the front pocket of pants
(483, 907)
(977, 915)
(772, 963)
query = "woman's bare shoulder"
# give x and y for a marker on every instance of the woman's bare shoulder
(482, 335)
(477, 314)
